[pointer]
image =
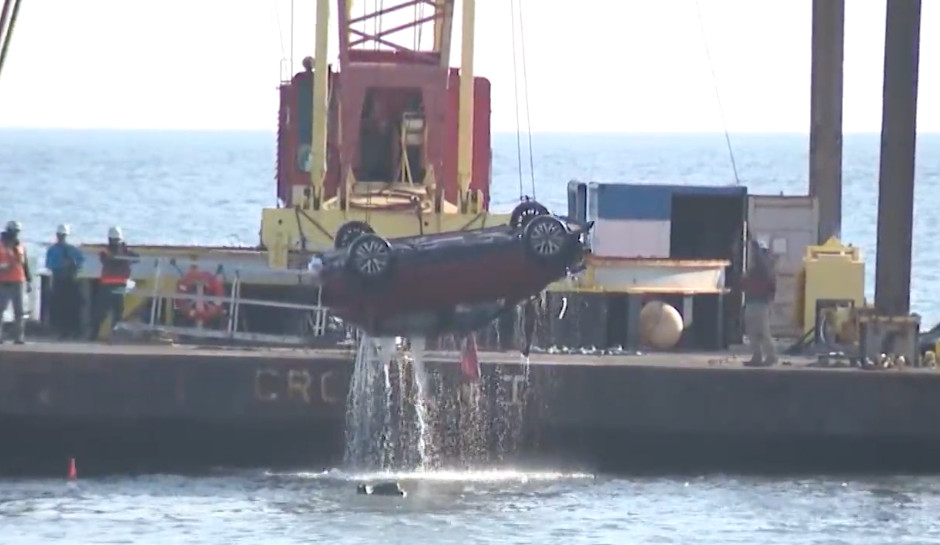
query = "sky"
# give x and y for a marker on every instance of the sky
(592, 66)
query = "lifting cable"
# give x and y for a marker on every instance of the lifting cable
(515, 87)
(291, 33)
(525, 90)
(6, 30)
(280, 31)
(721, 110)
(379, 19)
(419, 28)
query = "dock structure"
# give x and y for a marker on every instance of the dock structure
(825, 131)
(898, 139)
(898, 145)
(149, 407)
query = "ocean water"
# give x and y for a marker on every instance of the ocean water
(207, 188)
(498, 507)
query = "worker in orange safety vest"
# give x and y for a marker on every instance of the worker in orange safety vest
(14, 277)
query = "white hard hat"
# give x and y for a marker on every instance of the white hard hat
(115, 233)
(13, 225)
(63, 229)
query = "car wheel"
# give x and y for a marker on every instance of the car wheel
(370, 257)
(349, 232)
(546, 238)
(523, 213)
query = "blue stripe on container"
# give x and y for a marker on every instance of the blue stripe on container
(636, 202)
(650, 202)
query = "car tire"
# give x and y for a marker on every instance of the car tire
(370, 258)
(523, 213)
(546, 239)
(349, 232)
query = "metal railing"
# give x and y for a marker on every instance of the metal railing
(316, 314)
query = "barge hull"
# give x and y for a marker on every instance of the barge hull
(42, 447)
(166, 408)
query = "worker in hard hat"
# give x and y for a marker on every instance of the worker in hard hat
(64, 261)
(14, 278)
(116, 261)
(760, 288)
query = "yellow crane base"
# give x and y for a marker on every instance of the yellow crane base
(285, 230)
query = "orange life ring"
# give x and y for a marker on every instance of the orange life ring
(200, 311)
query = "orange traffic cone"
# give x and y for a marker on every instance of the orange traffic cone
(73, 474)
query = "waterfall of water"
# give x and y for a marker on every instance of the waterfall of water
(366, 404)
(373, 440)
(420, 378)
(388, 418)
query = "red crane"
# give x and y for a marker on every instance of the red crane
(394, 131)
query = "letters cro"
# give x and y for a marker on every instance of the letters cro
(298, 385)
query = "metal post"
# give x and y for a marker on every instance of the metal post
(896, 176)
(236, 296)
(825, 133)
(199, 304)
(232, 305)
(156, 299)
(320, 109)
(465, 105)
(320, 316)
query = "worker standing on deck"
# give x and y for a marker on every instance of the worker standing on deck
(116, 262)
(64, 262)
(760, 288)
(14, 277)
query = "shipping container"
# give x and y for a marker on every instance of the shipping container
(787, 224)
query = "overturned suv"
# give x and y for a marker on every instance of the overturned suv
(454, 282)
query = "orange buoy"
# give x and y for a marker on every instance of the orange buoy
(73, 473)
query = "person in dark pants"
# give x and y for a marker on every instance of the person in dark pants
(64, 262)
(116, 262)
(760, 288)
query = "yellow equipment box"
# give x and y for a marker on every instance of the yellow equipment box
(833, 274)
